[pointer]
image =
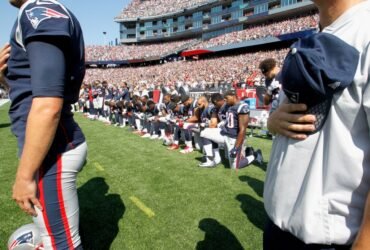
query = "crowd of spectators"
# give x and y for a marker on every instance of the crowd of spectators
(200, 74)
(127, 52)
(263, 30)
(145, 8)
(141, 51)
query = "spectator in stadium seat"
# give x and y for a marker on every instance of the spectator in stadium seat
(318, 180)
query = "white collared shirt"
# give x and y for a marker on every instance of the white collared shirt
(317, 188)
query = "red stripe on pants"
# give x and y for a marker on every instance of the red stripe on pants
(42, 201)
(63, 213)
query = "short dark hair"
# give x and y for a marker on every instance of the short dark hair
(175, 98)
(171, 105)
(267, 65)
(231, 92)
(184, 98)
(216, 97)
(150, 102)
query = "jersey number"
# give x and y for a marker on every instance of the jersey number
(230, 120)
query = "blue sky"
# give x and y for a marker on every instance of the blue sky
(95, 17)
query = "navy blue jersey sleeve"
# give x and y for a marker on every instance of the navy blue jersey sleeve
(47, 63)
(243, 109)
(44, 18)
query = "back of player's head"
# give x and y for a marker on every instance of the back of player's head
(185, 98)
(150, 102)
(172, 105)
(120, 104)
(175, 98)
(267, 65)
(216, 97)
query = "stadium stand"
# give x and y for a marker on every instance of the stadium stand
(139, 51)
(254, 32)
(140, 8)
(196, 73)
(207, 49)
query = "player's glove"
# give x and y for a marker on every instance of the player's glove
(234, 152)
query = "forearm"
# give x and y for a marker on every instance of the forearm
(192, 119)
(240, 139)
(42, 123)
(362, 241)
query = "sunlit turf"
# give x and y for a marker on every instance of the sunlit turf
(135, 194)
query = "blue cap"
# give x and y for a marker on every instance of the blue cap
(315, 69)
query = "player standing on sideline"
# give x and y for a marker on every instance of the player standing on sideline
(318, 180)
(270, 70)
(45, 72)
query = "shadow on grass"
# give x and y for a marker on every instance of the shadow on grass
(100, 213)
(4, 125)
(217, 236)
(253, 209)
(224, 160)
(254, 183)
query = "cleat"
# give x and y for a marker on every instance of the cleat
(147, 135)
(174, 147)
(186, 150)
(153, 137)
(249, 151)
(258, 156)
(207, 164)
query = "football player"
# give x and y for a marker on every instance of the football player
(189, 107)
(45, 72)
(217, 116)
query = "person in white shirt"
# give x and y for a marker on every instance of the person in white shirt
(317, 184)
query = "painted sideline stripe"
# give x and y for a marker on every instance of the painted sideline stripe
(98, 166)
(142, 206)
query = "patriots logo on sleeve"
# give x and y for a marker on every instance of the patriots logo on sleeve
(38, 14)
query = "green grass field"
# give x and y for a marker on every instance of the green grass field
(135, 194)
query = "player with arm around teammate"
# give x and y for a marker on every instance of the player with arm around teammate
(233, 133)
